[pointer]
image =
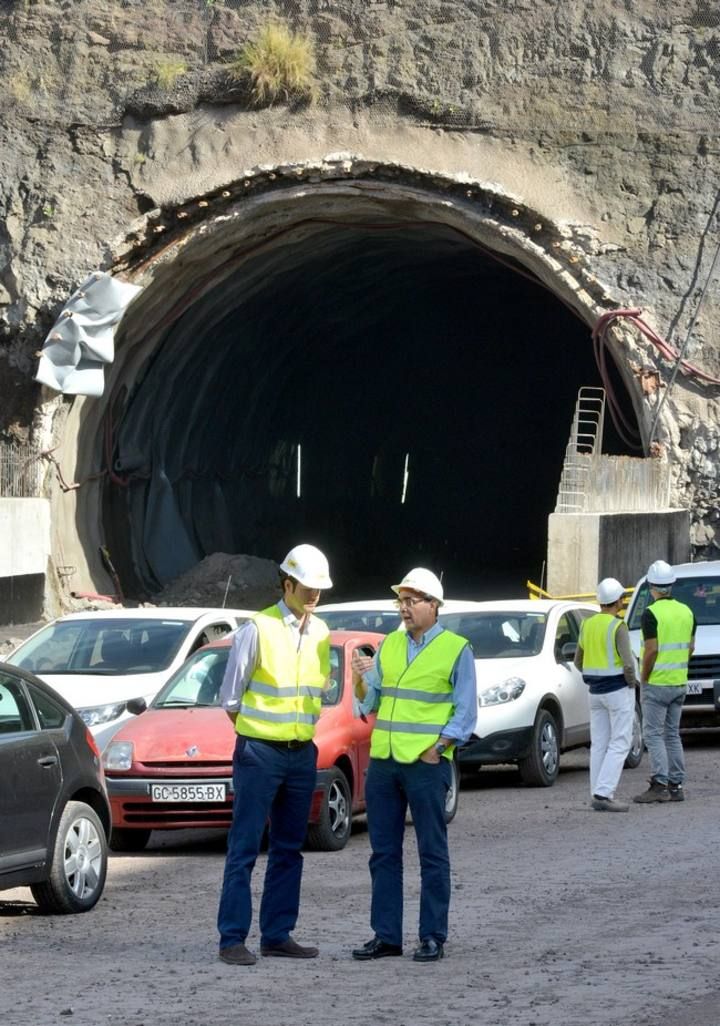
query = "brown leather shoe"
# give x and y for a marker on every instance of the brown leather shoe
(289, 949)
(237, 954)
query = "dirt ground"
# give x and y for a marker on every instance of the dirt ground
(561, 917)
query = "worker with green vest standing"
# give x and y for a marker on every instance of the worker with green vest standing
(422, 683)
(668, 630)
(605, 658)
(278, 667)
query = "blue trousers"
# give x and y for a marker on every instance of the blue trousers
(390, 787)
(277, 783)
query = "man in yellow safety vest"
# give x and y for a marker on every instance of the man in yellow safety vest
(278, 666)
(422, 683)
(668, 630)
(605, 658)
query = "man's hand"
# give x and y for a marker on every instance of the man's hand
(360, 664)
(431, 755)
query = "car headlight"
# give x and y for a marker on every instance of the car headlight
(97, 714)
(118, 755)
(508, 691)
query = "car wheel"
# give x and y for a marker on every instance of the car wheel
(332, 830)
(540, 767)
(78, 863)
(124, 839)
(453, 796)
(634, 756)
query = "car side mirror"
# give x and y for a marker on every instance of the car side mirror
(136, 706)
(568, 651)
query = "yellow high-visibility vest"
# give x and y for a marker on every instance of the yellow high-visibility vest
(597, 640)
(282, 701)
(416, 699)
(674, 633)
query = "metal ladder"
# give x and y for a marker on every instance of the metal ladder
(586, 436)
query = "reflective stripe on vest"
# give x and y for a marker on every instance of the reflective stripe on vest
(282, 702)
(416, 699)
(597, 640)
(674, 633)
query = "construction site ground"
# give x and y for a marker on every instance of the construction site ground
(561, 917)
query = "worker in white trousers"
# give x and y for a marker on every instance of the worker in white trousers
(605, 658)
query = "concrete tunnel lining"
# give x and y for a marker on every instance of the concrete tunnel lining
(326, 336)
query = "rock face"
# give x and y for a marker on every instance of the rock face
(600, 117)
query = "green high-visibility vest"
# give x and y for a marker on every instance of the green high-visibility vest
(597, 640)
(674, 633)
(282, 701)
(416, 699)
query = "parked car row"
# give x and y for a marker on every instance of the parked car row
(171, 767)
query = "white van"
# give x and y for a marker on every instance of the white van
(698, 586)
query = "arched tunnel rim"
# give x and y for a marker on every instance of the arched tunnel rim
(256, 212)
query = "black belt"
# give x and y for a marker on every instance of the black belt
(280, 744)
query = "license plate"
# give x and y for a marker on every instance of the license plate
(188, 792)
(695, 687)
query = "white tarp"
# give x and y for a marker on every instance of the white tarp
(81, 341)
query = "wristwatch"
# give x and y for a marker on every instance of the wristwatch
(441, 747)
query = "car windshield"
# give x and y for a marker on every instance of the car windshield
(702, 594)
(499, 634)
(198, 681)
(112, 647)
(361, 620)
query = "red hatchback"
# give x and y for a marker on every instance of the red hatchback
(171, 767)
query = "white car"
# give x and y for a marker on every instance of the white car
(698, 586)
(532, 702)
(100, 661)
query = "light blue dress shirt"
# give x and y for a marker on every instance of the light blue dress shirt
(462, 722)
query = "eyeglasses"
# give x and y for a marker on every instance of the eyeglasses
(415, 600)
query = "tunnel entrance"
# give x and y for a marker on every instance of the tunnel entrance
(390, 393)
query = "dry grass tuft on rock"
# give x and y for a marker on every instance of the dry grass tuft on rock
(280, 64)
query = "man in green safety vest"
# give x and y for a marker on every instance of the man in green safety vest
(422, 683)
(605, 658)
(276, 673)
(668, 630)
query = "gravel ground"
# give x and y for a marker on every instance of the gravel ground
(561, 917)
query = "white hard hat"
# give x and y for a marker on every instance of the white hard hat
(307, 565)
(608, 591)
(421, 580)
(661, 573)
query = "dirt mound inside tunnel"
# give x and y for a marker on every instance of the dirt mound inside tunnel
(249, 581)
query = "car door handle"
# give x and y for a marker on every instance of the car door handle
(48, 760)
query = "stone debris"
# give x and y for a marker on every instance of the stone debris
(251, 582)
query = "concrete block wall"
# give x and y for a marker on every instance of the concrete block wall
(24, 554)
(585, 547)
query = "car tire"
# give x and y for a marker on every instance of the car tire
(127, 840)
(637, 746)
(332, 830)
(540, 767)
(78, 863)
(453, 796)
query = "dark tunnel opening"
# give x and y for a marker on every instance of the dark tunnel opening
(394, 395)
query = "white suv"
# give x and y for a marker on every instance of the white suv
(698, 586)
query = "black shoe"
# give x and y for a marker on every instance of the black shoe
(677, 792)
(376, 948)
(429, 951)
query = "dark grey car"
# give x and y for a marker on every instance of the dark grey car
(54, 811)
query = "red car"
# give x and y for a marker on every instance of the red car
(171, 767)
